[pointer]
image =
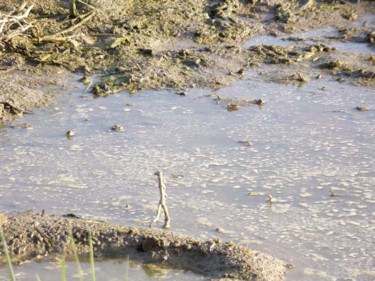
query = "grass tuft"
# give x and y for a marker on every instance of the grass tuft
(73, 247)
(6, 253)
(127, 268)
(91, 255)
(63, 270)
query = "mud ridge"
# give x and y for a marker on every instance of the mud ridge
(32, 236)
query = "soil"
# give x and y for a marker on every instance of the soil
(169, 45)
(163, 44)
(32, 236)
(24, 87)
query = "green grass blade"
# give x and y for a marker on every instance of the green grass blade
(63, 270)
(127, 268)
(6, 253)
(74, 250)
(37, 278)
(92, 265)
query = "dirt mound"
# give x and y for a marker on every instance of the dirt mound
(32, 236)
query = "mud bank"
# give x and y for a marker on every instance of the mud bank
(172, 44)
(32, 236)
(24, 87)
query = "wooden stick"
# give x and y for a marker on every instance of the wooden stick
(162, 204)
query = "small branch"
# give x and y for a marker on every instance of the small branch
(10, 19)
(73, 10)
(87, 17)
(162, 204)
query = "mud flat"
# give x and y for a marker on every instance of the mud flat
(170, 45)
(33, 236)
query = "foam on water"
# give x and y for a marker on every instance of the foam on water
(307, 145)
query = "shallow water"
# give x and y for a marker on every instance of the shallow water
(328, 36)
(308, 143)
(112, 270)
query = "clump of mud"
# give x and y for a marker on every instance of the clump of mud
(32, 236)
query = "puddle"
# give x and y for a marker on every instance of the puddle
(307, 144)
(267, 40)
(350, 47)
(318, 36)
(112, 270)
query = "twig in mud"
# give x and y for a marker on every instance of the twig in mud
(298, 77)
(73, 9)
(6, 21)
(93, 8)
(162, 204)
(87, 87)
(48, 38)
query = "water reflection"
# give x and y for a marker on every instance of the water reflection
(110, 270)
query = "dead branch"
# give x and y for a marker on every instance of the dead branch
(73, 9)
(55, 36)
(162, 204)
(14, 17)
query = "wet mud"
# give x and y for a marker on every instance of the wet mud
(33, 236)
(171, 44)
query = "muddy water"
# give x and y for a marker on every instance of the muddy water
(308, 143)
(329, 36)
(112, 270)
(311, 150)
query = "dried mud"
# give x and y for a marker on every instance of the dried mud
(39, 236)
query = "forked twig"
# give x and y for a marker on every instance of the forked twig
(6, 21)
(162, 204)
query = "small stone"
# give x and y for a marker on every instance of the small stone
(259, 102)
(117, 128)
(70, 134)
(85, 80)
(246, 143)
(233, 107)
(361, 108)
